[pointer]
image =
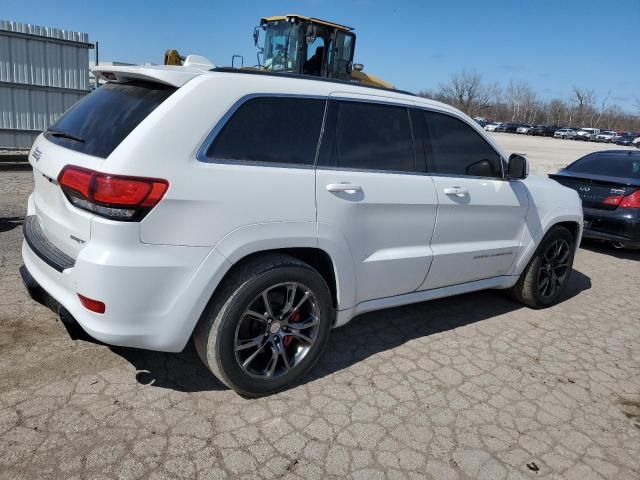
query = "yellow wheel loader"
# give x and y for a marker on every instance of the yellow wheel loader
(310, 46)
(296, 44)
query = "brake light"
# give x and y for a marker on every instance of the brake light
(116, 197)
(93, 305)
(631, 201)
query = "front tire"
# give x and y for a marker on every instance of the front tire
(546, 276)
(266, 326)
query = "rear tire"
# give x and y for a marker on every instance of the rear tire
(266, 326)
(546, 276)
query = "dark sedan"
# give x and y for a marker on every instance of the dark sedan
(508, 127)
(609, 184)
(625, 140)
(543, 130)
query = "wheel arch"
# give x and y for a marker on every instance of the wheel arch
(569, 220)
(316, 258)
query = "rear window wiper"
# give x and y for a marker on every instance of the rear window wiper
(61, 134)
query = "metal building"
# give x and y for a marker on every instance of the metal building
(43, 71)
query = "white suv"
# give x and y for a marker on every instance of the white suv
(256, 211)
(586, 134)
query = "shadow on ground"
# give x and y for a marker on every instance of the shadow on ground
(607, 249)
(9, 223)
(363, 337)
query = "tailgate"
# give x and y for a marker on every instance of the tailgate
(65, 226)
(84, 137)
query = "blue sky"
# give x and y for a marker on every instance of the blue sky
(414, 44)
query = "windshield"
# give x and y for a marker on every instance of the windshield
(281, 47)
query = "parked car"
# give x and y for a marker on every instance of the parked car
(507, 128)
(524, 128)
(636, 141)
(543, 130)
(618, 135)
(256, 211)
(606, 136)
(491, 127)
(625, 140)
(565, 133)
(586, 134)
(608, 183)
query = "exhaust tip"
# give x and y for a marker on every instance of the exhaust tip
(618, 245)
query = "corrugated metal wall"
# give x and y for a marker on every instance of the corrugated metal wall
(43, 71)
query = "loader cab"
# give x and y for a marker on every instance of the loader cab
(305, 46)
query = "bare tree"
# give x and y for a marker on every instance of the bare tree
(519, 102)
(522, 101)
(611, 118)
(602, 107)
(556, 112)
(467, 92)
(584, 99)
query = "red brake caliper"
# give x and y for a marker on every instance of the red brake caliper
(294, 319)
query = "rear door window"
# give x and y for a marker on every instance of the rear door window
(367, 136)
(271, 130)
(99, 122)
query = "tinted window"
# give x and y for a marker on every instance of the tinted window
(367, 136)
(271, 129)
(623, 165)
(454, 148)
(98, 123)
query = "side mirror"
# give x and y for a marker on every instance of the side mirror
(256, 36)
(518, 167)
(481, 168)
(358, 67)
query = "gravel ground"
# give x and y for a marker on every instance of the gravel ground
(469, 387)
(548, 155)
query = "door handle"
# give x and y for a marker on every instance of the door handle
(344, 187)
(457, 191)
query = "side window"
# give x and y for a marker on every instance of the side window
(454, 148)
(367, 136)
(271, 130)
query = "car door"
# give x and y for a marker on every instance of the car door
(480, 214)
(369, 194)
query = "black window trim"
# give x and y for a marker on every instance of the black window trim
(429, 170)
(336, 97)
(201, 155)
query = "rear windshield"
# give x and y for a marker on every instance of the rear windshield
(100, 121)
(623, 166)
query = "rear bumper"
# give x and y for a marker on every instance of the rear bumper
(154, 294)
(620, 225)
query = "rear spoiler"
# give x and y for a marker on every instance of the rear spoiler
(168, 75)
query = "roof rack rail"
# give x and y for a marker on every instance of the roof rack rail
(304, 77)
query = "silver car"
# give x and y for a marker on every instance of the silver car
(568, 133)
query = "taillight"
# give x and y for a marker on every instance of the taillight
(631, 201)
(112, 196)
